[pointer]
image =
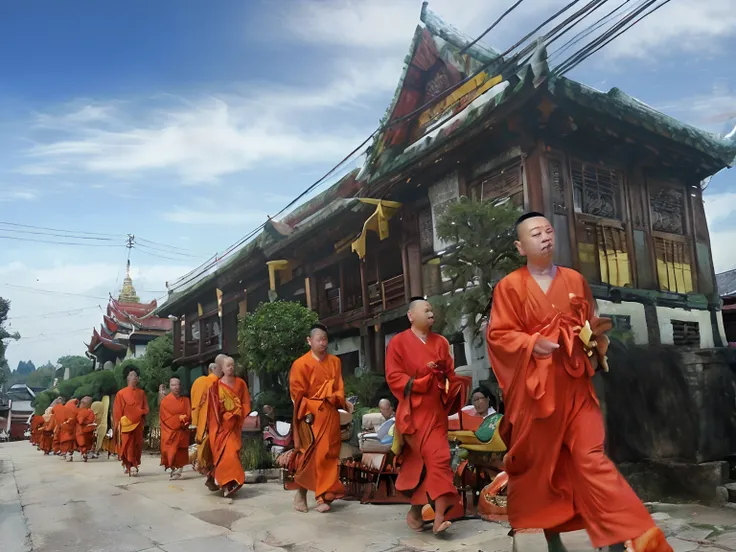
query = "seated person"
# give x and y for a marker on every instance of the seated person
(380, 430)
(474, 414)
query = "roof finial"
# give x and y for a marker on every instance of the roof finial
(127, 292)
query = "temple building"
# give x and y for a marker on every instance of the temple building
(127, 327)
(620, 181)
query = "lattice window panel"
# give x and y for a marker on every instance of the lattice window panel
(674, 265)
(668, 210)
(596, 190)
(685, 333)
(506, 183)
(604, 255)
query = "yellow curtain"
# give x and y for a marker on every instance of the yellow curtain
(377, 222)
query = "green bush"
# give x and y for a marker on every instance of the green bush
(43, 401)
(254, 455)
(96, 385)
(368, 387)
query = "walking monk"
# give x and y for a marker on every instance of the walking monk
(175, 415)
(129, 416)
(228, 405)
(86, 426)
(316, 387)
(539, 343)
(57, 410)
(421, 374)
(36, 428)
(199, 394)
(49, 427)
(68, 429)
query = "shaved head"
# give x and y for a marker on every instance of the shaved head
(219, 364)
(211, 367)
(86, 402)
(225, 365)
(386, 408)
(175, 386)
(420, 314)
(535, 239)
(318, 340)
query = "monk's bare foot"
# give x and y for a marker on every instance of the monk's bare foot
(300, 501)
(323, 507)
(414, 519)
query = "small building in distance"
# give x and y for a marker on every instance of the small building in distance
(127, 327)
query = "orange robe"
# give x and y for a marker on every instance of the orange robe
(37, 423)
(59, 416)
(174, 415)
(47, 431)
(199, 394)
(129, 417)
(68, 430)
(559, 477)
(317, 388)
(426, 397)
(226, 411)
(85, 432)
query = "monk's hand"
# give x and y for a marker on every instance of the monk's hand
(544, 347)
(349, 408)
(309, 419)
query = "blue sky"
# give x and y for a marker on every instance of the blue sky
(187, 122)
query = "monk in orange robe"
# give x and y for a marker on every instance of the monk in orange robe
(199, 394)
(59, 415)
(540, 344)
(228, 405)
(86, 426)
(421, 374)
(316, 387)
(175, 415)
(37, 423)
(68, 429)
(129, 417)
(49, 428)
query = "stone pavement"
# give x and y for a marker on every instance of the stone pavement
(47, 505)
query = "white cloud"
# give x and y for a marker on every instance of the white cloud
(225, 217)
(720, 209)
(17, 194)
(713, 111)
(55, 324)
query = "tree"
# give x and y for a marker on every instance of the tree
(483, 252)
(5, 335)
(273, 337)
(25, 368)
(78, 366)
(43, 377)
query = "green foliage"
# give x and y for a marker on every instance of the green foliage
(156, 364)
(96, 385)
(5, 335)
(254, 455)
(278, 399)
(24, 368)
(368, 387)
(273, 337)
(483, 235)
(43, 401)
(78, 366)
(42, 377)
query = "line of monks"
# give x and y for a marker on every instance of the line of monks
(545, 342)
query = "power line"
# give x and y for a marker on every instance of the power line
(138, 244)
(55, 234)
(50, 292)
(138, 248)
(54, 314)
(34, 240)
(493, 26)
(144, 240)
(57, 229)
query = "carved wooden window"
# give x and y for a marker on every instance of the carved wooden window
(667, 205)
(674, 264)
(437, 84)
(426, 231)
(596, 190)
(557, 183)
(685, 334)
(603, 254)
(506, 183)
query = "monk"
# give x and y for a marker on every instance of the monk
(420, 372)
(199, 393)
(129, 417)
(227, 406)
(68, 429)
(58, 412)
(174, 415)
(86, 426)
(540, 345)
(37, 423)
(317, 390)
(49, 428)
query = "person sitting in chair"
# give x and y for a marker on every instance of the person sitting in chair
(481, 400)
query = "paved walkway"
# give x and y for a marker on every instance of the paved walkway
(95, 507)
